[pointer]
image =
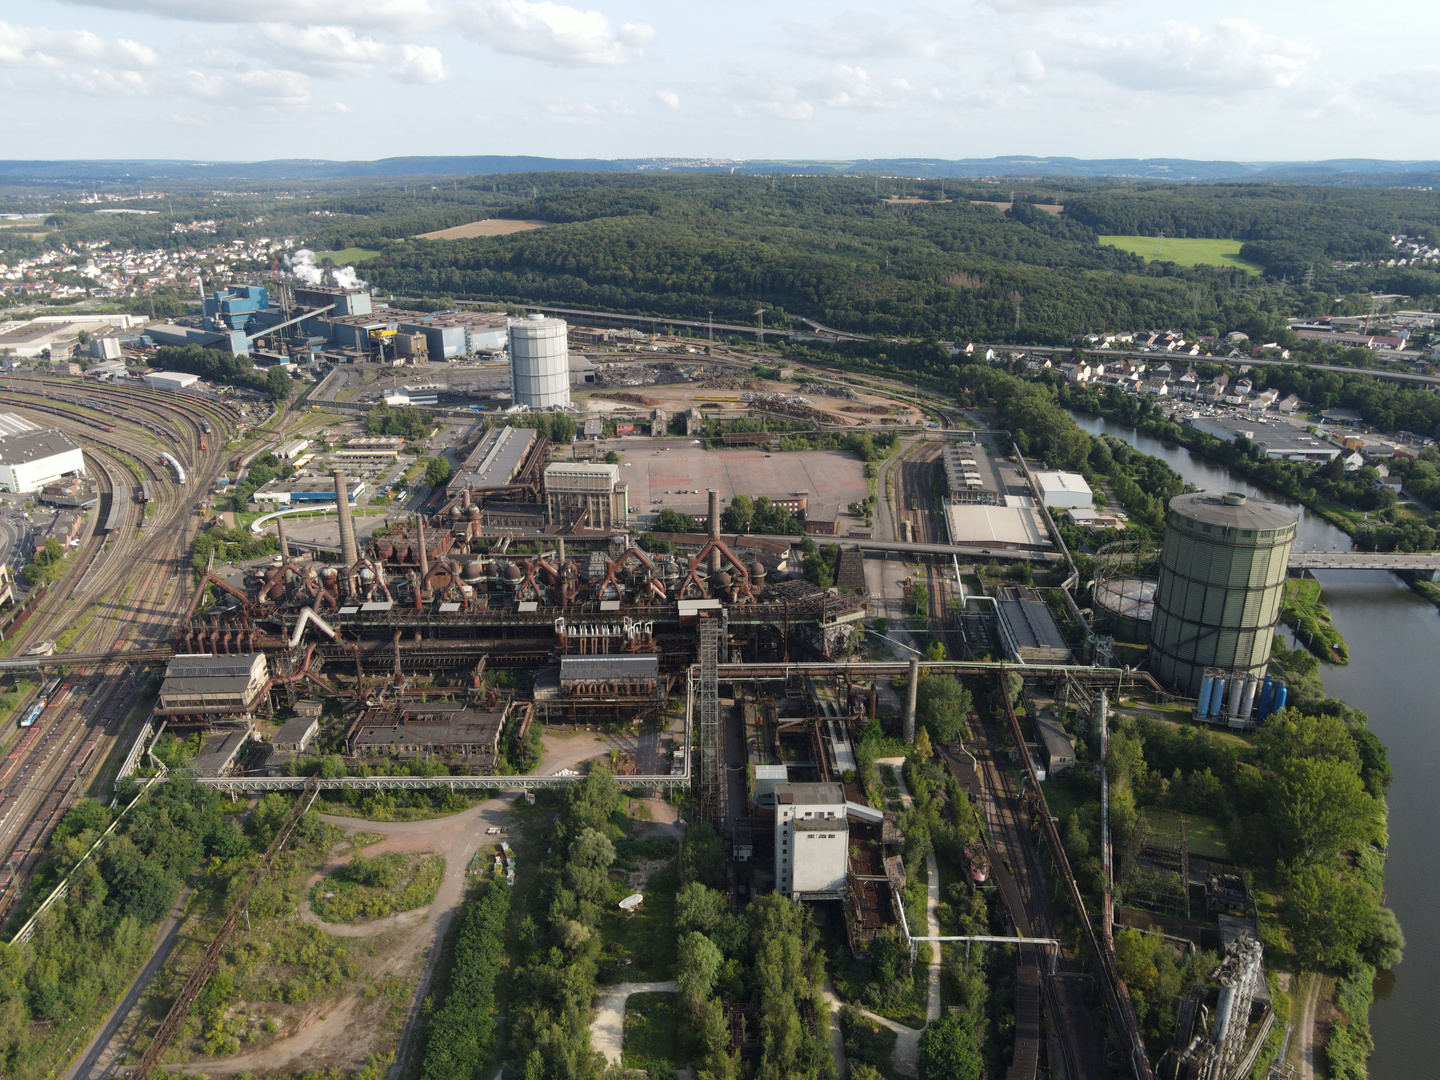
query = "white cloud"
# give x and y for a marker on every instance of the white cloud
(668, 98)
(552, 32)
(852, 87)
(1233, 57)
(269, 86)
(869, 34)
(35, 46)
(584, 112)
(1029, 67)
(410, 14)
(421, 64)
(336, 50)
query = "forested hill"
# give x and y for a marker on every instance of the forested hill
(844, 251)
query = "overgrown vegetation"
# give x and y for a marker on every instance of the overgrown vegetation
(371, 888)
(460, 1037)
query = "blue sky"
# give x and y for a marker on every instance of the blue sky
(362, 79)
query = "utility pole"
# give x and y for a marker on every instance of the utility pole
(710, 320)
(760, 334)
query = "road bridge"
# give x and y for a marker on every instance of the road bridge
(1425, 561)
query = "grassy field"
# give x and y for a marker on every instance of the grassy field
(1206, 837)
(652, 1031)
(1185, 251)
(345, 257)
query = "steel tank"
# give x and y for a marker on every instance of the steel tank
(1221, 581)
(540, 363)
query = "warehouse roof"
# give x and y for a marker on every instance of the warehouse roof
(30, 446)
(811, 794)
(496, 459)
(10, 424)
(609, 667)
(198, 665)
(1001, 525)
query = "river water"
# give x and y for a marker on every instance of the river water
(1394, 639)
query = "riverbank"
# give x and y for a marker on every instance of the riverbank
(1262, 472)
(1302, 611)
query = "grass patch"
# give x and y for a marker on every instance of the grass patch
(1302, 611)
(652, 1031)
(1062, 796)
(868, 1042)
(1186, 251)
(645, 937)
(345, 256)
(372, 888)
(1206, 837)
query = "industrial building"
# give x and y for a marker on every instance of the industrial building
(31, 459)
(171, 380)
(586, 495)
(1063, 491)
(969, 475)
(433, 729)
(496, 460)
(1276, 437)
(812, 839)
(539, 363)
(1032, 634)
(1221, 581)
(287, 492)
(213, 687)
(1009, 527)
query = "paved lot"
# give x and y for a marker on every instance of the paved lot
(675, 475)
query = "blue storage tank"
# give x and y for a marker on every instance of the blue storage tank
(1277, 699)
(1207, 684)
(1262, 703)
(1217, 697)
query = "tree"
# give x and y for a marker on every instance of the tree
(941, 705)
(669, 520)
(948, 1050)
(437, 471)
(923, 750)
(278, 384)
(591, 854)
(697, 967)
(1383, 944)
(737, 515)
(590, 802)
(698, 908)
(1320, 807)
(1326, 913)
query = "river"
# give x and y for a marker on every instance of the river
(1394, 639)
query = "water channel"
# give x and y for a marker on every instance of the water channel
(1394, 639)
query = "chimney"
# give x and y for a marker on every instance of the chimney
(348, 554)
(910, 693)
(284, 543)
(714, 523)
(560, 555)
(424, 559)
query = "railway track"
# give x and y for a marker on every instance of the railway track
(124, 589)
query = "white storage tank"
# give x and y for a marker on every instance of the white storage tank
(539, 363)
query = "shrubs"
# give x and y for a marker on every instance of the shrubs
(462, 1030)
(374, 888)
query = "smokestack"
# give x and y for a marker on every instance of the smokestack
(424, 559)
(714, 523)
(348, 553)
(560, 555)
(910, 693)
(465, 497)
(284, 543)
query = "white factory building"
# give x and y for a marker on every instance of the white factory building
(171, 380)
(540, 363)
(1063, 491)
(31, 459)
(812, 838)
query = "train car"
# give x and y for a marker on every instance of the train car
(205, 426)
(175, 466)
(50, 687)
(202, 443)
(32, 714)
(978, 863)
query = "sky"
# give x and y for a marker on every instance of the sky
(241, 80)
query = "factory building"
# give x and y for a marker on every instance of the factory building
(171, 380)
(539, 363)
(433, 729)
(496, 459)
(1018, 528)
(31, 459)
(1222, 578)
(1063, 491)
(969, 475)
(213, 686)
(285, 492)
(812, 839)
(591, 496)
(235, 307)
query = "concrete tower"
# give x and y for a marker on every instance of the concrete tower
(1222, 578)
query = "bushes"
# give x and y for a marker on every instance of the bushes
(462, 1031)
(374, 888)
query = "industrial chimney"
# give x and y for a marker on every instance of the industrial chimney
(714, 523)
(910, 694)
(349, 555)
(284, 543)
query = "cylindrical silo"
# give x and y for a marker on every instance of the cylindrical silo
(539, 363)
(1222, 577)
(1207, 684)
(1277, 699)
(1247, 699)
(1217, 698)
(1262, 699)
(1237, 691)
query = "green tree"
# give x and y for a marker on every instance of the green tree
(941, 704)
(669, 520)
(590, 802)
(278, 384)
(1326, 914)
(737, 515)
(1319, 807)
(698, 907)
(697, 967)
(437, 472)
(948, 1050)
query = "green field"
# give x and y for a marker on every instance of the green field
(1183, 250)
(349, 255)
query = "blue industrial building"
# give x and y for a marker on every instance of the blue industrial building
(235, 307)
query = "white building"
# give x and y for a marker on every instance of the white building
(31, 459)
(289, 451)
(1063, 491)
(540, 363)
(171, 380)
(812, 838)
